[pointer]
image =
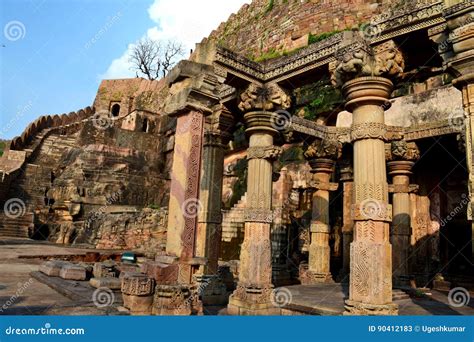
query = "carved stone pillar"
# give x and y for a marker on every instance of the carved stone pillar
(347, 179)
(361, 71)
(403, 157)
(253, 295)
(371, 252)
(192, 98)
(460, 30)
(319, 250)
(209, 229)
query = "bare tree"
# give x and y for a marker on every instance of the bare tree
(154, 59)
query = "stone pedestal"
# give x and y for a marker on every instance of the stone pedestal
(137, 293)
(370, 290)
(254, 290)
(319, 249)
(401, 224)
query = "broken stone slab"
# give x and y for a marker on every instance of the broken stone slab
(52, 268)
(110, 283)
(73, 272)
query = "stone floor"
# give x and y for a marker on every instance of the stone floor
(22, 294)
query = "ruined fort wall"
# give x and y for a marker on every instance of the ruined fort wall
(283, 25)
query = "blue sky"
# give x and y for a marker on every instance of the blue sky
(55, 52)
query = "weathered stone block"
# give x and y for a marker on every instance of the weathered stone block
(163, 273)
(138, 306)
(52, 268)
(110, 283)
(73, 272)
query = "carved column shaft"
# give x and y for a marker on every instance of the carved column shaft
(210, 216)
(319, 250)
(347, 221)
(401, 224)
(371, 252)
(184, 205)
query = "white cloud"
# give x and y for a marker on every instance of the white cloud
(186, 21)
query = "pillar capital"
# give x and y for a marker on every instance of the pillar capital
(323, 150)
(368, 90)
(266, 98)
(356, 59)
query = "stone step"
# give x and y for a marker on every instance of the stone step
(399, 295)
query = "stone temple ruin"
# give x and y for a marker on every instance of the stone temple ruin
(267, 161)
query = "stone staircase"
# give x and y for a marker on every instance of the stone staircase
(233, 220)
(18, 227)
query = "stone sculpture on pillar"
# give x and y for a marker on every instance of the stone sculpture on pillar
(402, 158)
(322, 156)
(253, 295)
(362, 74)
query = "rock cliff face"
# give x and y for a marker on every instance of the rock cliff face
(100, 178)
(272, 27)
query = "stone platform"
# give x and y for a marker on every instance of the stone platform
(328, 300)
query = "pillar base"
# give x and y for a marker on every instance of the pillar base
(250, 301)
(176, 300)
(308, 277)
(211, 290)
(362, 309)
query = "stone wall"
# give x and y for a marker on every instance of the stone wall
(277, 26)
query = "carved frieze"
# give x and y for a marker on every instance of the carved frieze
(328, 149)
(258, 215)
(138, 286)
(368, 130)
